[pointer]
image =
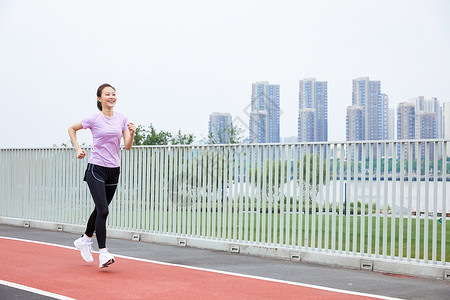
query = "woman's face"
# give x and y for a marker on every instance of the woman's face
(108, 98)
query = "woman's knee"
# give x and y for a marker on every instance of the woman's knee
(103, 212)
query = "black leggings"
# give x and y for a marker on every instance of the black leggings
(102, 182)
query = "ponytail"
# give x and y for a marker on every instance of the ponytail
(99, 106)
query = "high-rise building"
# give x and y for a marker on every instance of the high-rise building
(306, 125)
(428, 125)
(313, 111)
(406, 128)
(406, 116)
(220, 125)
(428, 112)
(420, 118)
(446, 114)
(384, 134)
(392, 126)
(368, 98)
(354, 123)
(265, 113)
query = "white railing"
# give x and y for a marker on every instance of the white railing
(368, 199)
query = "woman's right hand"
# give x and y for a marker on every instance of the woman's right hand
(73, 138)
(81, 153)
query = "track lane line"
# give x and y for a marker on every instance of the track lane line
(34, 291)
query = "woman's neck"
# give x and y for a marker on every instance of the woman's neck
(108, 113)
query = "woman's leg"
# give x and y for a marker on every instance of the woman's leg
(97, 220)
(90, 228)
(110, 191)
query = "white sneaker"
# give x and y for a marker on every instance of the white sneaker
(105, 259)
(85, 249)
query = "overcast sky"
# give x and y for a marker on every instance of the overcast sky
(175, 62)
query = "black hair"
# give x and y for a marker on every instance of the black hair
(99, 93)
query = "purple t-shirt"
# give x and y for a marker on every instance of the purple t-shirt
(107, 134)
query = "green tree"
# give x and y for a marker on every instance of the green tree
(182, 139)
(147, 135)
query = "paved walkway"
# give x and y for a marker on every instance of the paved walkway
(329, 278)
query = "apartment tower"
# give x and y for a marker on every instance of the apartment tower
(265, 113)
(313, 111)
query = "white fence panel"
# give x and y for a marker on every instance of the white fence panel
(362, 199)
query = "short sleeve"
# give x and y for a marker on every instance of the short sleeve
(124, 123)
(88, 122)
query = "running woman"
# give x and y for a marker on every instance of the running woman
(102, 173)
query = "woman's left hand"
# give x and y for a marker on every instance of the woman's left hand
(131, 128)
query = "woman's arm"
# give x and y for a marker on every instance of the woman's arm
(73, 137)
(128, 136)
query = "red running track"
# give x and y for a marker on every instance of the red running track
(62, 271)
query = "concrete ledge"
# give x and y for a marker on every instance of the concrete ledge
(42, 225)
(322, 257)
